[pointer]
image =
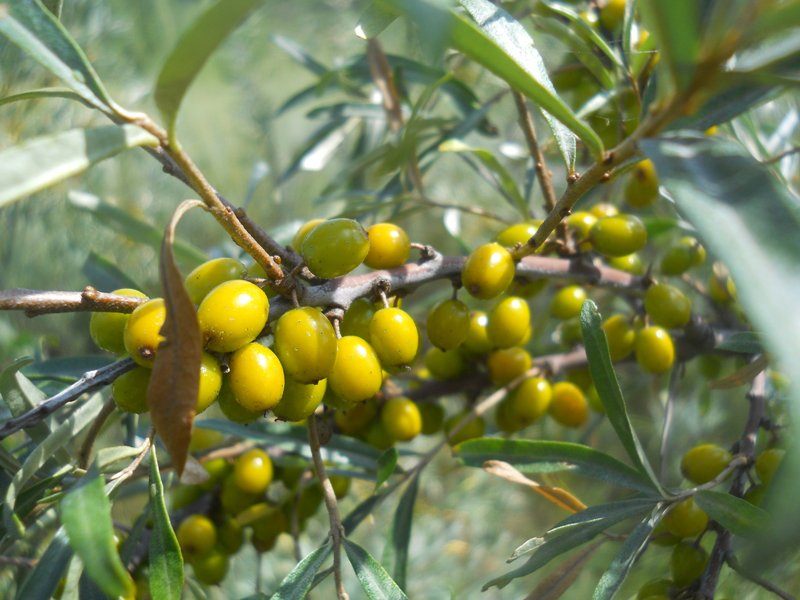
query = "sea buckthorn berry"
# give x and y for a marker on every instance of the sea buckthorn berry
(210, 382)
(394, 336)
(203, 439)
(448, 324)
(230, 536)
(335, 247)
(196, 535)
(618, 235)
(356, 374)
(667, 306)
(509, 322)
(234, 499)
(129, 390)
(474, 429)
(357, 418)
(682, 255)
(604, 209)
(477, 341)
(580, 376)
(401, 419)
(389, 246)
(654, 349)
(357, 318)
(210, 274)
(569, 332)
(268, 527)
(503, 418)
(507, 364)
(756, 494)
(580, 223)
(305, 343)
(661, 537)
(302, 233)
(377, 436)
(567, 302)
(641, 189)
(630, 263)
(299, 400)
(721, 287)
(621, 336)
(656, 587)
(231, 408)
(108, 328)
(568, 404)
(704, 462)
(232, 315)
(519, 233)
(530, 400)
(143, 331)
(217, 469)
(210, 568)
(256, 377)
(611, 13)
(444, 365)
(432, 417)
(340, 485)
(686, 519)
(252, 471)
(687, 563)
(488, 271)
(767, 464)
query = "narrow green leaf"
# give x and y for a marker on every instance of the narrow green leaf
(134, 229)
(66, 368)
(86, 516)
(42, 581)
(675, 26)
(38, 32)
(299, 54)
(745, 342)
(506, 50)
(363, 510)
(582, 28)
(634, 545)
(534, 456)
(387, 464)
(504, 181)
(605, 379)
(401, 532)
(104, 275)
(373, 21)
(20, 395)
(375, 581)
(70, 427)
(615, 511)
(166, 562)
(44, 161)
(43, 93)
(192, 51)
(296, 584)
(735, 514)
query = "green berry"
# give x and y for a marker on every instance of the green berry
(667, 306)
(334, 248)
(448, 324)
(108, 328)
(305, 343)
(618, 235)
(488, 271)
(210, 274)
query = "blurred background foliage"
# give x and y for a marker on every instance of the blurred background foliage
(466, 523)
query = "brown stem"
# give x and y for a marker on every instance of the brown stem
(337, 531)
(544, 175)
(37, 302)
(86, 448)
(764, 583)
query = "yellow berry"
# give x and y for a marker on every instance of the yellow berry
(568, 404)
(210, 382)
(356, 373)
(567, 302)
(507, 364)
(210, 274)
(682, 255)
(196, 535)
(621, 336)
(686, 519)
(143, 331)
(389, 246)
(630, 263)
(687, 563)
(611, 13)
(130, 390)
(654, 349)
(394, 336)
(704, 462)
(231, 408)
(305, 343)
(335, 247)
(477, 341)
(108, 328)
(530, 400)
(232, 315)
(604, 209)
(210, 568)
(642, 187)
(767, 464)
(252, 471)
(401, 419)
(299, 400)
(509, 322)
(667, 306)
(488, 271)
(580, 223)
(618, 235)
(256, 377)
(519, 233)
(448, 324)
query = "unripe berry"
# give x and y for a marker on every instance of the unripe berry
(356, 419)
(687, 563)
(488, 271)
(477, 341)
(299, 400)
(519, 233)
(432, 417)
(721, 287)
(389, 246)
(394, 336)
(682, 255)
(356, 373)
(448, 324)
(568, 405)
(305, 343)
(143, 331)
(618, 236)
(509, 322)
(667, 306)
(252, 471)
(335, 247)
(474, 429)
(507, 364)
(357, 318)
(611, 13)
(210, 568)
(210, 274)
(302, 233)
(654, 349)
(656, 587)
(580, 224)
(232, 315)
(231, 408)
(630, 263)
(567, 302)
(642, 187)
(621, 336)
(196, 535)
(129, 390)
(530, 400)
(444, 365)
(767, 464)
(401, 419)
(704, 462)
(108, 328)
(256, 377)
(686, 519)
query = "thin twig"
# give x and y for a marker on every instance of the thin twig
(37, 302)
(337, 531)
(544, 175)
(764, 583)
(90, 381)
(472, 210)
(88, 443)
(781, 156)
(130, 469)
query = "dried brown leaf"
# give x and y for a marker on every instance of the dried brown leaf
(741, 376)
(172, 393)
(558, 496)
